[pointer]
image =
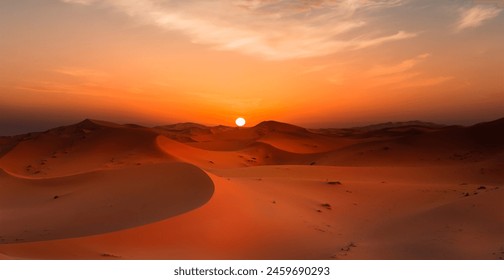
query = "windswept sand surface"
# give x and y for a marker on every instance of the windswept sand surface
(98, 190)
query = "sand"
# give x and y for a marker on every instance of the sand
(98, 190)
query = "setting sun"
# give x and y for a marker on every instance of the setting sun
(240, 121)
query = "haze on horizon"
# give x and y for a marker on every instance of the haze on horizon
(320, 63)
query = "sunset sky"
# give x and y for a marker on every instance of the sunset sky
(318, 63)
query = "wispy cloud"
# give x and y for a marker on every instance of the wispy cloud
(425, 82)
(81, 73)
(85, 89)
(476, 16)
(82, 2)
(315, 68)
(383, 70)
(403, 75)
(271, 29)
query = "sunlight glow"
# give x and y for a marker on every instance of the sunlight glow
(240, 121)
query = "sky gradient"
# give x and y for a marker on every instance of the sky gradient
(317, 63)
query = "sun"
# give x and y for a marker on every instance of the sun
(240, 121)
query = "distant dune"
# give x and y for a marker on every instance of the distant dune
(100, 190)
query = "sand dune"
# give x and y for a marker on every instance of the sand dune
(257, 153)
(98, 202)
(98, 190)
(86, 146)
(469, 228)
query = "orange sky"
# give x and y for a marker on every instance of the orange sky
(311, 63)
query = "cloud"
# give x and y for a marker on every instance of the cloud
(315, 68)
(475, 16)
(81, 73)
(271, 29)
(402, 75)
(84, 89)
(403, 66)
(336, 79)
(82, 2)
(426, 82)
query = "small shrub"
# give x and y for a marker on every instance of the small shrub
(326, 205)
(334, 183)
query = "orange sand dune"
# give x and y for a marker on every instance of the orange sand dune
(279, 135)
(254, 154)
(97, 202)
(86, 146)
(468, 228)
(273, 191)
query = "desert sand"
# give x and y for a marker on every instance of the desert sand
(100, 190)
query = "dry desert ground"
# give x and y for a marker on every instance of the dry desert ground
(100, 190)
